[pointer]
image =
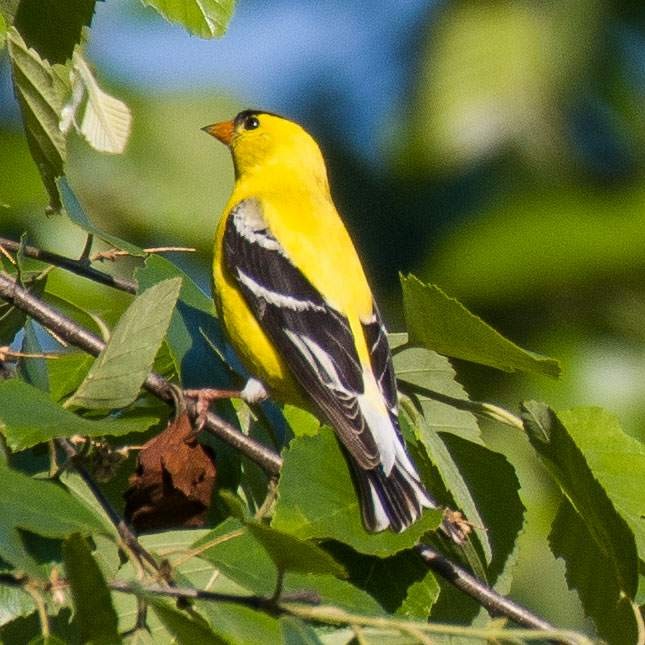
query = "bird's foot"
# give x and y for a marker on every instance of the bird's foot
(252, 392)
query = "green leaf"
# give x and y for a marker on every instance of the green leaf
(53, 27)
(29, 417)
(14, 603)
(317, 499)
(116, 376)
(203, 18)
(444, 325)
(301, 422)
(420, 597)
(296, 632)
(590, 571)
(237, 624)
(568, 467)
(40, 94)
(3, 31)
(616, 460)
(106, 120)
(38, 507)
(427, 369)
(67, 372)
(95, 614)
(193, 321)
(441, 458)
(185, 628)
(33, 370)
(76, 213)
(291, 554)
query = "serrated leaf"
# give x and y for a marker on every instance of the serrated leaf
(53, 27)
(38, 507)
(615, 459)
(14, 603)
(568, 467)
(29, 417)
(76, 213)
(291, 554)
(115, 378)
(317, 499)
(204, 18)
(40, 93)
(94, 613)
(106, 120)
(440, 457)
(419, 598)
(432, 371)
(590, 572)
(442, 324)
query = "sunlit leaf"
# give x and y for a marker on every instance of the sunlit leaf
(186, 628)
(120, 369)
(592, 574)
(106, 120)
(317, 499)
(28, 417)
(40, 94)
(420, 597)
(236, 624)
(204, 18)
(442, 324)
(616, 460)
(569, 468)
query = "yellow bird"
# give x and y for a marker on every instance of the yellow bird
(296, 305)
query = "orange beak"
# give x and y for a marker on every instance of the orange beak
(222, 131)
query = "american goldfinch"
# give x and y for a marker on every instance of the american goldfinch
(294, 301)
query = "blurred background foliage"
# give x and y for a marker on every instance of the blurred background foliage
(495, 148)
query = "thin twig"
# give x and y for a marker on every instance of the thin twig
(269, 460)
(79, 267)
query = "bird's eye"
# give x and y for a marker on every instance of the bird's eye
(251, 123)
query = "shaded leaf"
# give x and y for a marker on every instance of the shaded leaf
(291, 554)
(106, 120)
(40, 93)
(453, 480)
(204, 18)
(174, 480)
(67, 372)
(115, 378)
(442, 324)
(32, 369)
(591, 573)
(185, 628)
(94, 613)
(317, 499)
(14, 602)
(432, 371)
(53, 27)
(76, 213)
(616, 460)
(568, 467)
(28, 417)
(38, 507)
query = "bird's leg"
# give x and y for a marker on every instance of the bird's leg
(253, 392)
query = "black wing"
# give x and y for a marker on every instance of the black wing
(314, 339)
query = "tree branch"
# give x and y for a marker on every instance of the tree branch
(79, 267)
(270, 461)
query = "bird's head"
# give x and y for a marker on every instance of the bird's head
(265, 142)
